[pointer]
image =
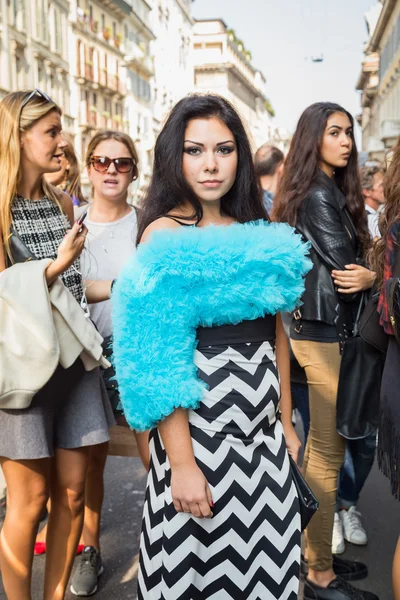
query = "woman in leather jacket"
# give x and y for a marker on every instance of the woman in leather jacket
(321, 196)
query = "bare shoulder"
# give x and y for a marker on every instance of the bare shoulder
(157, 225)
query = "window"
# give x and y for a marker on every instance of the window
(78, 58)
(140, 87)
(40, 75)
(103, 22)
(57, 30)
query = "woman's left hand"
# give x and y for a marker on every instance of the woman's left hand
(355, 279)
(293, 443)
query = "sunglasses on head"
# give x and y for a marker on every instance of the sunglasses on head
(102, 163)
(34, 93)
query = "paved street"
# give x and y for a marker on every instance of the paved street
(125, 481)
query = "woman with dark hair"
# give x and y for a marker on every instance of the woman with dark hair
(195, 333)
(385, 259)
(321, 196)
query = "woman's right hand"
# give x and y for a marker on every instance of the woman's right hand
(71, 247)
(190, 491)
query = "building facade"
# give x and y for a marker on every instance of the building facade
(173, 56)
(123, 64)
(34, 50)
(139, 65)
(97, 74)
(379, 81)
(222, 65)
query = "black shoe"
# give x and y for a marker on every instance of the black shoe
(338, 589)
(349, 570)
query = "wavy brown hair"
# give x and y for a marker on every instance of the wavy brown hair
(302, 166)
(390, 214)
(73, 184)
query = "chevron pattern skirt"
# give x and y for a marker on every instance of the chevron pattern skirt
(250, 548)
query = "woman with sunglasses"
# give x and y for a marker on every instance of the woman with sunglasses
(45, 447)
(111, 160)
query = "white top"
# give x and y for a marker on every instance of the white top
(108, 247)
(373, 218)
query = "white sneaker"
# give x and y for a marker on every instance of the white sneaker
(338, 546)
(353, 529)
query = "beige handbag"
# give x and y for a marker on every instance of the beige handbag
(122, 441)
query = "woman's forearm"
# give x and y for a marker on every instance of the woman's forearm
(175, 434)
(283, 364)
(98, 291)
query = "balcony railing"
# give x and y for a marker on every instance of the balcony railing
(137, 56)
(116, 85)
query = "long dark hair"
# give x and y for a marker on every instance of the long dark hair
(302, 167)
(168, 188)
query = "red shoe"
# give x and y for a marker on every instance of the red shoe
(40, 548)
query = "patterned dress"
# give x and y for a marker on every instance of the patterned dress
(250, 548)
(42, 227)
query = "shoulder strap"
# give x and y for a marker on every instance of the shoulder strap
(178, 221)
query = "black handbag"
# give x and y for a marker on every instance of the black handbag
(20, 253)
(361, 368)
(371, 330)
(307, 500)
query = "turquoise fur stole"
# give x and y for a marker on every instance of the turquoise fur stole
(189, 277)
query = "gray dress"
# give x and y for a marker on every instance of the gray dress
(72, 410)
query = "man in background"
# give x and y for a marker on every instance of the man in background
(269, 163)
(372, 189)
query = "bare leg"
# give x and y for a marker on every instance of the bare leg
(396, 573)
(66, 518)
(27, 493)
(41, 536)
(94, 495)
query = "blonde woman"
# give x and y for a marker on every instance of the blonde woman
(44, 448)
(68, 178)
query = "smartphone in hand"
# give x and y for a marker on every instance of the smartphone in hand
(82, 217)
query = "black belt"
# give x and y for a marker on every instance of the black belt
(258, 330)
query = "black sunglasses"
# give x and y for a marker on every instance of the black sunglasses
(102, 163)
(34, 93)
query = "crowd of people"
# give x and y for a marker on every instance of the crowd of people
(200, 318)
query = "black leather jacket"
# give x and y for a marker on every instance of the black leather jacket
(325, 221)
